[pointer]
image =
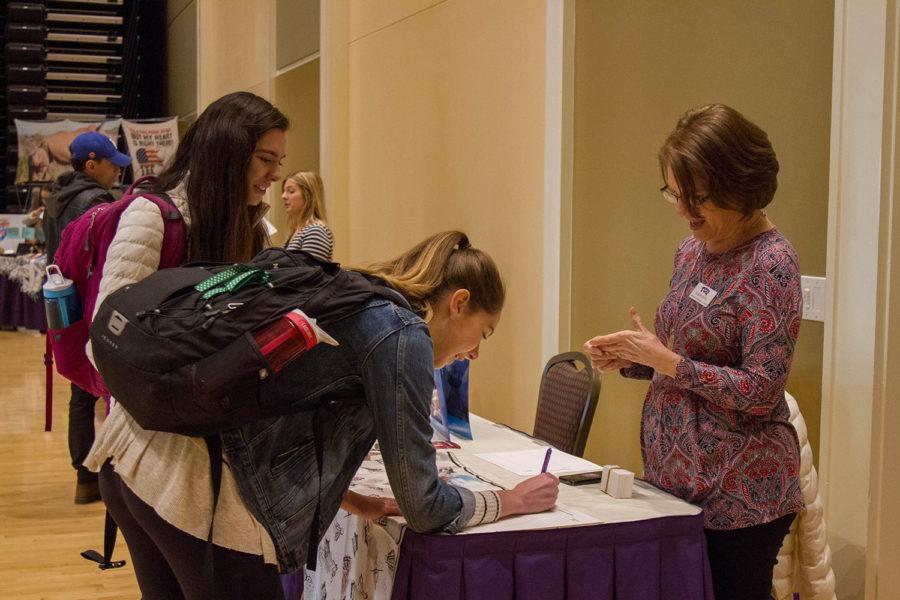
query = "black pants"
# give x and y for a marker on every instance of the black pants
(169, 563)
(81, 430)
(742, 560)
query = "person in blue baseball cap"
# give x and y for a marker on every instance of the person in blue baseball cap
(96, 155)
(96, 168)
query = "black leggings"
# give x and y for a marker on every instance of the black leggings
(81, 430)
(169, 563)
(742, 560)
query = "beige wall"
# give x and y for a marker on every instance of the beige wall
(296, 30)
(181, 57)
(884, 527)
(446, 118)
(236, 49)
(297, 96)
(883, 576)
(638, 67)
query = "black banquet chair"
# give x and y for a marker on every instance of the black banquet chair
(567, 400)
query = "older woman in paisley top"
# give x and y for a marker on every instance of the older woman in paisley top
(714, 425)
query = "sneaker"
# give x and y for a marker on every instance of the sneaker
(87, 492)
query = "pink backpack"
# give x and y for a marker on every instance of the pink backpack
(81, 256)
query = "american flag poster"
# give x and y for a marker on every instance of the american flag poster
(150, 145)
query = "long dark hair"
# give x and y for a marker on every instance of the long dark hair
(214, 157)
(439, 265)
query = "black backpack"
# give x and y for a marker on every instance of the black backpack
(184, 361)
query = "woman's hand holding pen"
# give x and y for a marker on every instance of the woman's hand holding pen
(535, 494)
(630, 346)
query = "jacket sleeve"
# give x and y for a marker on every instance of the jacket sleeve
(769, 318)
(85, 201)
(399, 377)
(134, 251)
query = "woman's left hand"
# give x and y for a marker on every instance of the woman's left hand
(370, 507)
(638, 345)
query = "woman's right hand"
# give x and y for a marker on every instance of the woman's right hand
(602, 360)
(535, 494)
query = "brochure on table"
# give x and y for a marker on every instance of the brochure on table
(452, 384)
(441, 432)
(450, 403)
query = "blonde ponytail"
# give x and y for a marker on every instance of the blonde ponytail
(443, 263)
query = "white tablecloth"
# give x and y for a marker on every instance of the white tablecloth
(358, 558)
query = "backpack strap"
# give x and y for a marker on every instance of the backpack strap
(109, 544)
(390, 294)
(172, 214)
(139, 183)
(173, 248)
(381, 288)
(214, 449)
(312, 553)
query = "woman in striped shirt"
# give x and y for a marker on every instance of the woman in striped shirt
(304, 200)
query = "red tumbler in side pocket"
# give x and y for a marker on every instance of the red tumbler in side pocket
(290, 336)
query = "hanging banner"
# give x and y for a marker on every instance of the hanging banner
(44, 146)
(151, 145)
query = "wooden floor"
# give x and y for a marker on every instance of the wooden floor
(42, 531)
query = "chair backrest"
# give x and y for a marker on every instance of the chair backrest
(566, 402)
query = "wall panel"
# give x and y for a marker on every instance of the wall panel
(446, 122)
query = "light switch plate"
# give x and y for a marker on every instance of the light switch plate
(813, 289)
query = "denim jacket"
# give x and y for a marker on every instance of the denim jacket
(376, 385)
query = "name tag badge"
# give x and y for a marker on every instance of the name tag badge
(703, 294)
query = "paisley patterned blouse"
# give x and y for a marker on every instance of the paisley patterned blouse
(718, 434)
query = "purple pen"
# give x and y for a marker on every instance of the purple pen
(546, 460)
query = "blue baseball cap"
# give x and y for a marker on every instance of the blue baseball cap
(94, 145)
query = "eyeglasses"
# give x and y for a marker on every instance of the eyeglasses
(670, 197)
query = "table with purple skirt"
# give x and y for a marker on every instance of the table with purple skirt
(21, 304)
(592, 546)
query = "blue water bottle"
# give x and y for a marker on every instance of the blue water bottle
(60, 300)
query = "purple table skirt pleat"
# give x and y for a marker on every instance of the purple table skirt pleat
(292, 584)
(662, 559)
(18, 309)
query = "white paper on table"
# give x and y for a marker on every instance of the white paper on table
(560, 516)
(529, 462)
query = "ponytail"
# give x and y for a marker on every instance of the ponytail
(440, 264)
